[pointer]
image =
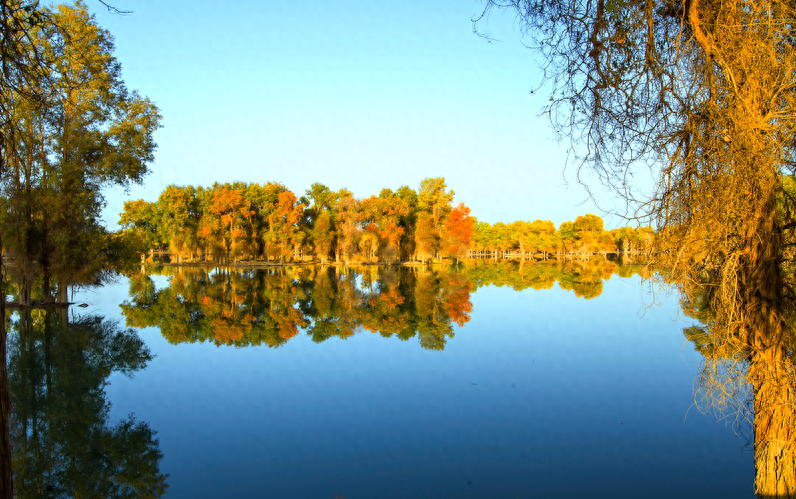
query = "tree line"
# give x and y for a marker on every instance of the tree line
(579, 239)
(230, 222)
(248, 221)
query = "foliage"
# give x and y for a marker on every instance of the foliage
(83, 132)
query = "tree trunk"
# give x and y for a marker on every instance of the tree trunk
(63, 291)
(774, 424)
(24, 293)
(763, 327)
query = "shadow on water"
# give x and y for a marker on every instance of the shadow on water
(64, 443)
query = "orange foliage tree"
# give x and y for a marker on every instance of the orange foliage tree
(458, 231)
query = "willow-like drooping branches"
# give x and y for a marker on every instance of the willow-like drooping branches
(702, 93)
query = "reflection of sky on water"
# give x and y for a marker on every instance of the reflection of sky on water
(540, 394)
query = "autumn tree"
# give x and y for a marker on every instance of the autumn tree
(284, 231)
(232, 211)
(408, 222)
(321, 214)
(587, 231)
(482, 235)
(348, 225)
(382, 216)
(433, 205)
(566, 237)
(263, 200)
(701, 93)
(458, 231)
(543, 237)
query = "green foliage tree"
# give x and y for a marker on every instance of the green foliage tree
(141, 218)
(178, 219)
(101, 134)
(86, 131)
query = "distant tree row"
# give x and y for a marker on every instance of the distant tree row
(230, 222)
(241, 221)
(585, 236)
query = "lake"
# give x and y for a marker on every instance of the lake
(496, 380)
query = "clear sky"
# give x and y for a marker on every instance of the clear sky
(359, 94)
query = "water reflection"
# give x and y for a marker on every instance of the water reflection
(584, 278)
(64, 444)
(268, 307)
(750, 383)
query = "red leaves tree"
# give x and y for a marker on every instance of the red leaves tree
(458, 231)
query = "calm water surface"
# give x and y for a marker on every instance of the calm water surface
(387, 383)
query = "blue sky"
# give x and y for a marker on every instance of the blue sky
(357, 94)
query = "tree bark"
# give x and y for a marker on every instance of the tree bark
(774, 424)
(770, 371)
(63, 291)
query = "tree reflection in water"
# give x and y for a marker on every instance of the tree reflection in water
(64, 442)
(750, 383)
(269, 306)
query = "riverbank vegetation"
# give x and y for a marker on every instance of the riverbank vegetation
(230, 223)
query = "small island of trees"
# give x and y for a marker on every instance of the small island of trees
(249, 222)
